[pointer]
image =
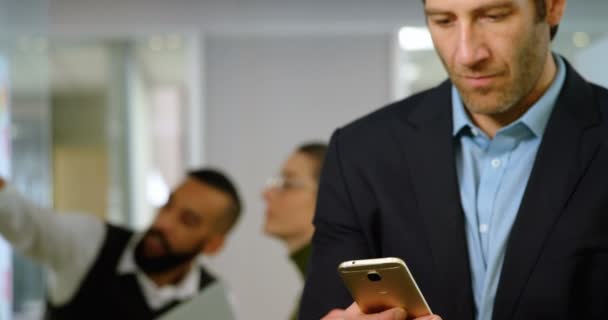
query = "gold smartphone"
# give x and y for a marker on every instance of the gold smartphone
(380, 284)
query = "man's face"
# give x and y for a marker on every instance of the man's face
(494, 51)
(186, 226)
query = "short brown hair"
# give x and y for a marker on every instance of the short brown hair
(316, 151)
(541, 14)
(541, 11)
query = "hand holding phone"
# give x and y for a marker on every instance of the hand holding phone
(354, 313)
(381, 284)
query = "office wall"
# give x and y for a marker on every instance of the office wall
(134, 16)
(80, 167)
(265, 95)
(590, 62)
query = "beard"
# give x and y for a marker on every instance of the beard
(163, 263)
(523, 76)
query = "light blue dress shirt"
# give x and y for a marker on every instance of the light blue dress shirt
(492, 175)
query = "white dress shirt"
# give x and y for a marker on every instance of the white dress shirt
(68, 245)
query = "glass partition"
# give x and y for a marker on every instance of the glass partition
(24, 90)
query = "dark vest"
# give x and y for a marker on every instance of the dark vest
(104, 294)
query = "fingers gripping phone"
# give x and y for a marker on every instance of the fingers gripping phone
(380, 284)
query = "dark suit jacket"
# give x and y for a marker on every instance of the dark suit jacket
(389, 188)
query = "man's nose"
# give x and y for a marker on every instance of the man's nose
(269, 193)
(164, 222)
(471, 47)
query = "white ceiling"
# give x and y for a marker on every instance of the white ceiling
(116, 16)
(85, 64)
(88, 65)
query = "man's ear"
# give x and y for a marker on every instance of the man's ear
(213, 245)
(555, 11)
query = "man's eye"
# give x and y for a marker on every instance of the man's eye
(496, 17)
(442, 22)
(190, 219)
(289, 185)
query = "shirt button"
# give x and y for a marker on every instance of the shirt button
(474, 131)
(496, 163)
(483, 228)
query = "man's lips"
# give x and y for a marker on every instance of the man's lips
(477, 81)
(154, 245)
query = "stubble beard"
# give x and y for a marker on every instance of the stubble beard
(526, 71)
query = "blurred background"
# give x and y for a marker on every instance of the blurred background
(104, 104)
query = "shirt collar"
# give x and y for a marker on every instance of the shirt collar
(535, 119)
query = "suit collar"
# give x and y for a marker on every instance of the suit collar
(424, 135)
(433, 105)
(565, 152)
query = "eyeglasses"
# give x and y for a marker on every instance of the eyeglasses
(286, 184)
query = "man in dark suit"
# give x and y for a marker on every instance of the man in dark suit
(493, 186)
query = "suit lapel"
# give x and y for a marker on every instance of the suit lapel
(425, 137)
(562, 157)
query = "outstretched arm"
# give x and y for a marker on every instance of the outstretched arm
(66, 243)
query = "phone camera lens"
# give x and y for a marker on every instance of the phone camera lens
(374, 276)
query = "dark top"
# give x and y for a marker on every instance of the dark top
(300, 259)
(104, 294)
